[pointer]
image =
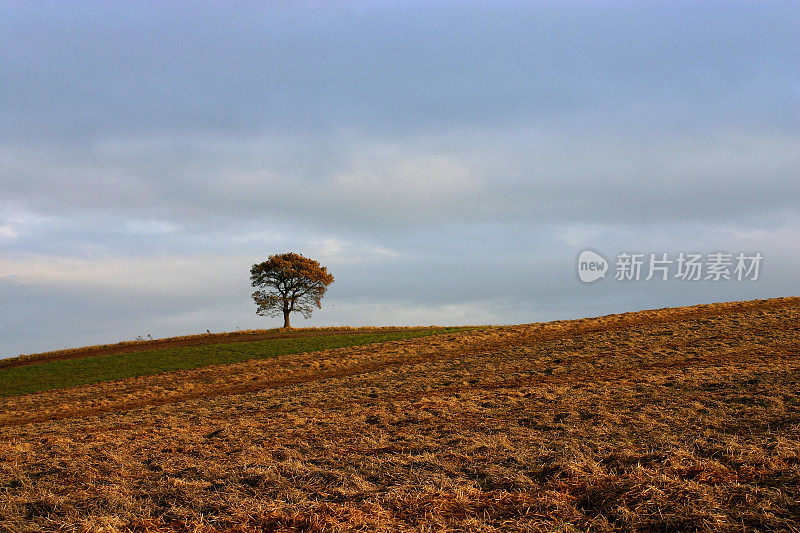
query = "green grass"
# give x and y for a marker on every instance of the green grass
(38, 377)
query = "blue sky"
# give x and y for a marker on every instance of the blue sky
(447, 160)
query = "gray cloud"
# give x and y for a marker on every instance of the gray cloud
(447, 160)
(503, 175)
(88, 70)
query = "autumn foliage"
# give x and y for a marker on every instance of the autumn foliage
(289, 283)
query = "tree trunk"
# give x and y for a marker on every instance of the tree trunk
(286, 319)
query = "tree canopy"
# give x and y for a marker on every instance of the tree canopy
(289, 283)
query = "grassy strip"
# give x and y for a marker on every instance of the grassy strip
(84, 371)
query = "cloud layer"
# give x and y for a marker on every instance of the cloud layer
(446, 160)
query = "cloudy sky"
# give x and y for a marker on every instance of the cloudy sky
(447, 161)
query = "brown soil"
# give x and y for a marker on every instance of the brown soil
(671, 419)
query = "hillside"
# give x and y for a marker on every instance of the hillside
(185, 341)
(94, 364)
(670, 419)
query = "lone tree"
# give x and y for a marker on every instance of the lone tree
(289, 283)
